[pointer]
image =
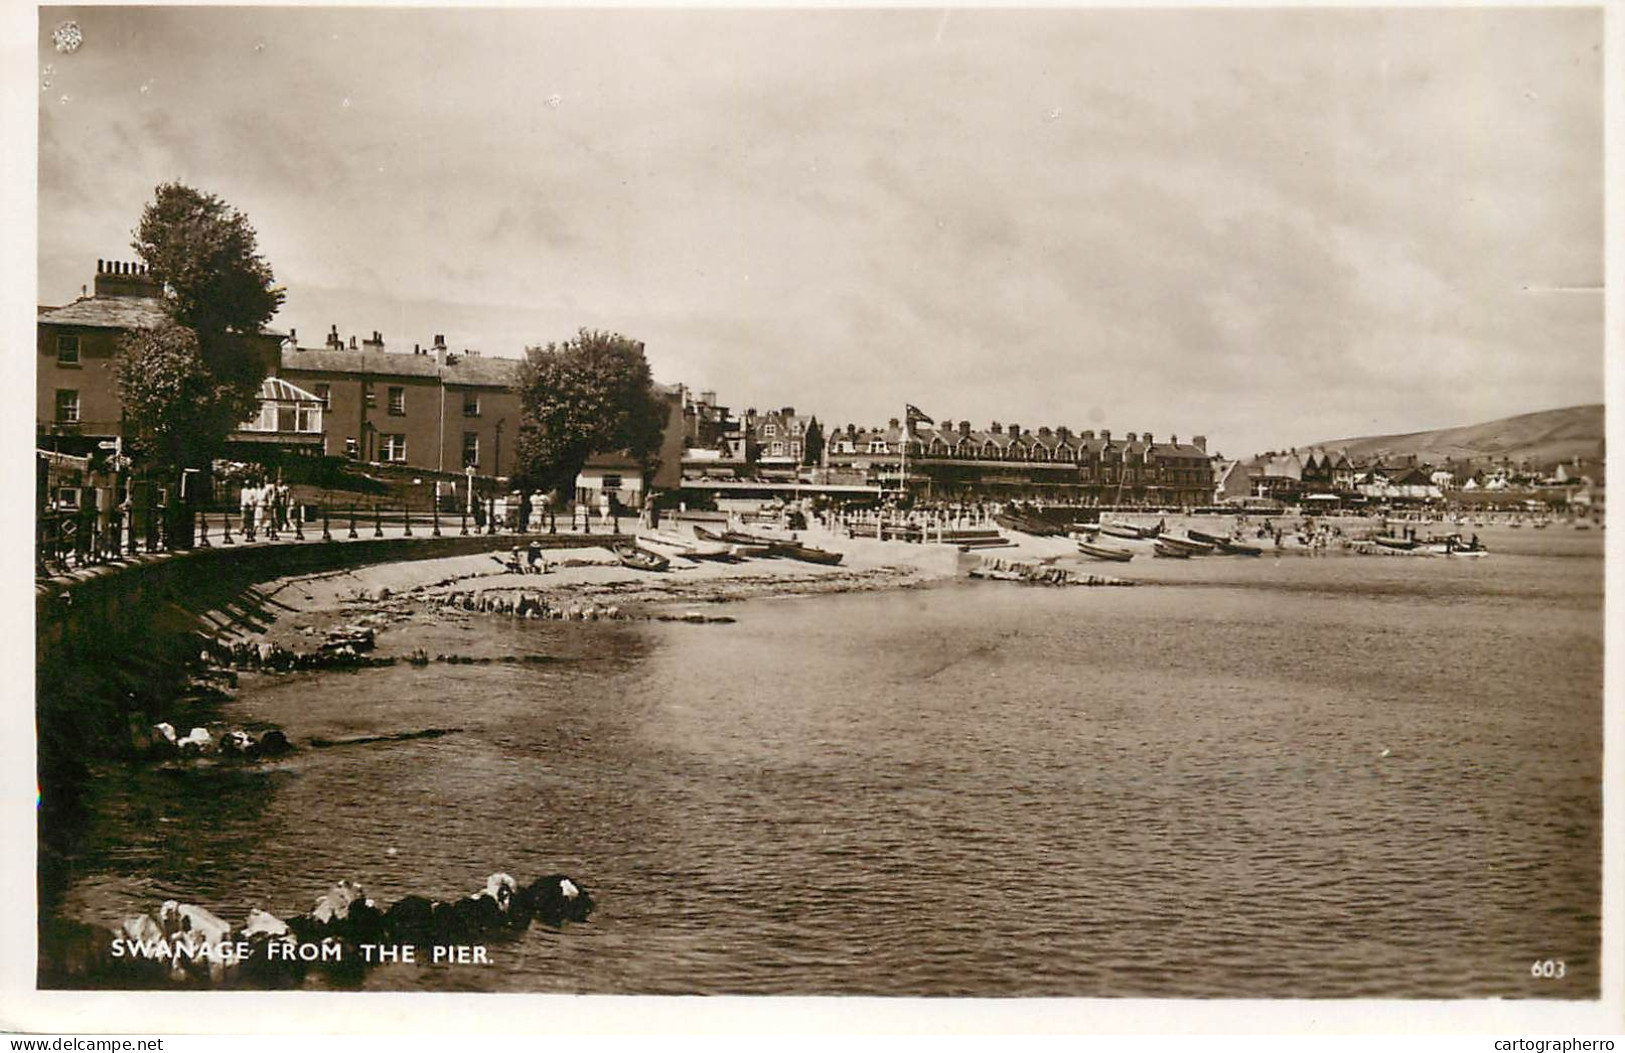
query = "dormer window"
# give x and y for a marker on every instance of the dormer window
(770, 430)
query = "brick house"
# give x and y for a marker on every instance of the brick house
(430, 408)
(77, 401)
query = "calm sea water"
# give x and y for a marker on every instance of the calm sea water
(1338, 777)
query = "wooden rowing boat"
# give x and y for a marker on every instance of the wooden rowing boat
(640, 558)
(1116, 555)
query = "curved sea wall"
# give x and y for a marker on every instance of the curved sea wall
(116, 649)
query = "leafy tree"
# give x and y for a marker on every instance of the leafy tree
(177, 411)
(188, 383)
(812, 443)
(592, 393)
(206, 255)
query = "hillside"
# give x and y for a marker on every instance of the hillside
(1544, 438)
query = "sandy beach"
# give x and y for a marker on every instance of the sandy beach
(300, 609)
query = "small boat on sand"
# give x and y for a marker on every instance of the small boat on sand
(807, 554)
(1132, 533)
(1167, 551)
(743, 544)
(1403, 544)
(1116, 555)
(1187, 544)
(640, 558)
(693, 548)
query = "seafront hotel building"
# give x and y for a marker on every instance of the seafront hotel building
(952, 461)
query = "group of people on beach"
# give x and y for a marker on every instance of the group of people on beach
(528, 560)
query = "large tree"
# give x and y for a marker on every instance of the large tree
(206, 254)
(188, 383)
(591, 394)
(176, 409)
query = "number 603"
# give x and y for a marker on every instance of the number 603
(1547, 970)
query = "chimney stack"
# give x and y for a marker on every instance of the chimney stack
(996, 428)
(119, 278)
(964, 427)
(1014, 430)
(1200, 442)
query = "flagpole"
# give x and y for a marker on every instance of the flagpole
(902, 482)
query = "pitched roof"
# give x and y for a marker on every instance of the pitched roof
(114, 312)
(108, 312)
(276, 389)
(468, 370)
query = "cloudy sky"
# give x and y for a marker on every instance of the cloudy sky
(1269, 227)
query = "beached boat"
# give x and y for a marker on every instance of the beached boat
(1116, 555)
(1238, 548)
(1127, 533)
(1028, 524)
(1211, 539)
(807, 554)
(1167, 551)
(742, 544)
(640, 558)
(1402, 544)
(692, 548)
(1187, 544)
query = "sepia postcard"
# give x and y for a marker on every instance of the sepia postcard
(1036, 518)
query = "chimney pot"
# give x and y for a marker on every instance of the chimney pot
(352, 341)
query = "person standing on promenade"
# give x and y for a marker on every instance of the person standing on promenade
(248, 500)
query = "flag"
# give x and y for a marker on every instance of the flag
(916, 415)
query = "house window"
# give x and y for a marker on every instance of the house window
(67, 406)
(287, 418)
(352, 449)
(770, 430)
(325, 393)
(67, 350)
(397, 402)
(310, 419)
(471, 404)
(394, 447)
(369, 396)
(471, 449)
(612, 482)
(778, 449)
(795, 449)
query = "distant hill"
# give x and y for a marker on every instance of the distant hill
(1544, 438)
